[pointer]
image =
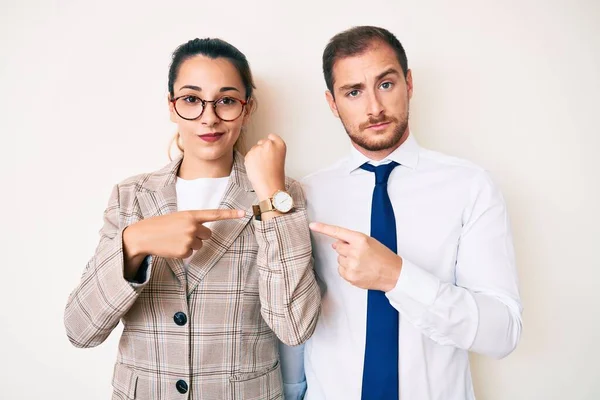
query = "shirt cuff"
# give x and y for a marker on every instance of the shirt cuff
(294, 391)
(416, 283)
(143, 273)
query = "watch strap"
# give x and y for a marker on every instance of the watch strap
(266, 205)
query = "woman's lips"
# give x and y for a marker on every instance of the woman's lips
(211, 137)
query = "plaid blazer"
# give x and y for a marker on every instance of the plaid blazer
(210, 333)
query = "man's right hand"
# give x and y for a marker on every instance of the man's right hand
(174, 235)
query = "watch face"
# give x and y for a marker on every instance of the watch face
(283, 202)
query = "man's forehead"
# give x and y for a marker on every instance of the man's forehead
(377, 58)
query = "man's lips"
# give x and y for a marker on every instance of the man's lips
(379, 125)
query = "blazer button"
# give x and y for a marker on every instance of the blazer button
(181, 386)
(180, 319)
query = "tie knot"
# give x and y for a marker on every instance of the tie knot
(382, 172)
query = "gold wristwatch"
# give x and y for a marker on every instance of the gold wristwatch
(280, 201)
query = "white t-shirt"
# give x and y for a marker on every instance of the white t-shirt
(200, 194)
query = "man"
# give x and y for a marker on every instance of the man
(413, 247)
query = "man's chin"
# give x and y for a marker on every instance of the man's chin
(378, 144)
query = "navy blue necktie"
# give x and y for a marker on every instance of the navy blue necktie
(380, 374)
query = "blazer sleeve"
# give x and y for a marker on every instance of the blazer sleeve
(103, 295)
(289, 294)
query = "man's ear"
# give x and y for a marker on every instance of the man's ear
(331, 101)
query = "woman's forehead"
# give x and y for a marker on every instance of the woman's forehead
(208, 74)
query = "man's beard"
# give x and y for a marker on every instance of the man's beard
(375, 144)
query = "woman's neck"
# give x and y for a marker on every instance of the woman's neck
(194, 168)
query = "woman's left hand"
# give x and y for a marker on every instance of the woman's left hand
(265, 166)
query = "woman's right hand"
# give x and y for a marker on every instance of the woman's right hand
(174, 235)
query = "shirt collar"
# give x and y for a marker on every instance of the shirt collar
(406, 155)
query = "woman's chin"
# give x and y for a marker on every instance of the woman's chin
(213, 152)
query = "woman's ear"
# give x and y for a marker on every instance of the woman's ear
(249, 109)
(172, 114)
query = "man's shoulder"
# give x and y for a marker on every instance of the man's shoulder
(435, 159)
(459, 171)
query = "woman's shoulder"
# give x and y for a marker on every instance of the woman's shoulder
(151, 181)
(127, 190)
(135, 182)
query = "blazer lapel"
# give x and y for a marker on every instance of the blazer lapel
(162, 201)
(238, 195)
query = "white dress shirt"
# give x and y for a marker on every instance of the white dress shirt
(458, 288)
(200, 194)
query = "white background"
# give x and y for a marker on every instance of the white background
(511, 85)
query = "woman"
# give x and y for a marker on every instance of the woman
(202, 308)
